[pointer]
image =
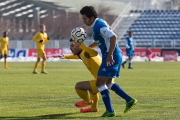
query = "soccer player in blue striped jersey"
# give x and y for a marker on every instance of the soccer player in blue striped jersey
(129, 50)
(105, 38)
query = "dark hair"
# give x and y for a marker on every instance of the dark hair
(71, 40)
(130, 32)
(89, 11)
(42, 25)
(5, 32)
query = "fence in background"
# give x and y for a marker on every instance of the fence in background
(165, 44)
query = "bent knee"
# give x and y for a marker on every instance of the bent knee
(77, 86)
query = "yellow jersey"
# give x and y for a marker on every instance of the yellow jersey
(4, 41)
(91, 63)
(40, 36)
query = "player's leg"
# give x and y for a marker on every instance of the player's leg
(44, 63)
(39, 55)
(1, 54)
(130, 101)
(36, 66)
(127, 53)
(82, 89)
(4, 54)
(94, 96)
(103, 89)
(130, 62)
(130, 59)
(5, 62)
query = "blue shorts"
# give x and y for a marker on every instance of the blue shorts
(129, 52)
(113, 70)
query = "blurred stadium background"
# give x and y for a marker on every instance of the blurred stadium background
(155, 23)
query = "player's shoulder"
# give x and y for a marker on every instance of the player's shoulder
(100, 23)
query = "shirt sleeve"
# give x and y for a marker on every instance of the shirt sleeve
(7, 41)
(35, 37)
(107, 32)
(47, 38)
(70, 56)
(126, 43)
(89, 50)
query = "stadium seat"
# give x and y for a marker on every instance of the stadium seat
(156, 24)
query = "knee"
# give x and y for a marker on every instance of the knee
(77, 86)
(98, 83)
(38, 60)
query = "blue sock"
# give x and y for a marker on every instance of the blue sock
(118, 90)
(106, 98)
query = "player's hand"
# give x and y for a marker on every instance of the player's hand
(86, 54)
(41, 41)
(109, 61)
(59, 56)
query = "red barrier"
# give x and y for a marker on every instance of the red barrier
(142, 52)
(49, 52)
(170, 55)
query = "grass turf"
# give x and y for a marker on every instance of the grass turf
(23, 95)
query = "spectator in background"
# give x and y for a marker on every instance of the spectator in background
(40, 38)
(129, 50)
(149, 53)
(4, 41)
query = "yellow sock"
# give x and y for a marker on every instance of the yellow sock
(5, 63)
(43, 65)
(84, 95)
(95, 98)
(36, 66)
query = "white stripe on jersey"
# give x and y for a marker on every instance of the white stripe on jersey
(107, 33)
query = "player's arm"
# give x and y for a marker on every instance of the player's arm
(89, 50)
(67, 56)
(8, 45)
(126, 43)
(36, 37)
(107, 32)
(47, 39)
(93, 45)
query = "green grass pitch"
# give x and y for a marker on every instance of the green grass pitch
(23, 95)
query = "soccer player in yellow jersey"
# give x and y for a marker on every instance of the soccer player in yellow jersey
(40, 38)
(4, 41)
(92, 61)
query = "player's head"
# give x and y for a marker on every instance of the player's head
(74, 48)
(130, 33)
(88, 14)
(5, 33)
(42, 28)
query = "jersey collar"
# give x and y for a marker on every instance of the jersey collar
(94, 22)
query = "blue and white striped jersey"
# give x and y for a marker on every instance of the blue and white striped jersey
(129, 43)
(102, 34)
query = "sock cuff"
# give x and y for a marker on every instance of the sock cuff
(110, 85)
(102, 88)
(130, 61)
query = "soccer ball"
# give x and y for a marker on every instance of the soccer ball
(78, 34)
